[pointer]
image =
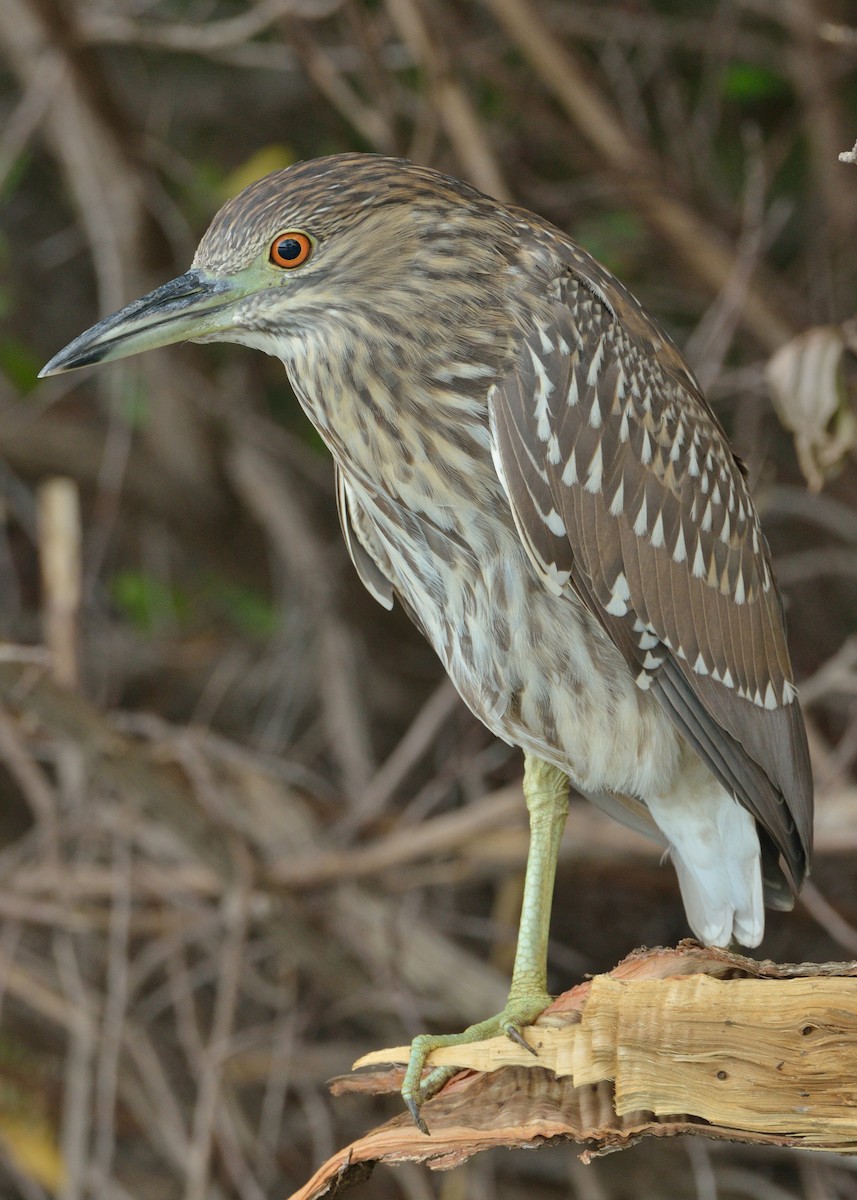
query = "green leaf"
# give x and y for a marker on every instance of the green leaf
(146, 602)
(19, 364)
(273, 157)
(134, 400)
(15, 172)
(747, 82)
(245, 608)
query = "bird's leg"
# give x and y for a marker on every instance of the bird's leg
(546, 794)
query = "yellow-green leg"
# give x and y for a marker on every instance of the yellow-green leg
(546, 794)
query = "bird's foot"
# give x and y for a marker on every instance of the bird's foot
(520, 1011)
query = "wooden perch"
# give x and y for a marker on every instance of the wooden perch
(671, 1041)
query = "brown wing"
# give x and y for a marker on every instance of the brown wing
(624, 488)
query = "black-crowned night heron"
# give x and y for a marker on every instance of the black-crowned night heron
(524, 460)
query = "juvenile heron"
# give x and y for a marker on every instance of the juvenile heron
(525, 461)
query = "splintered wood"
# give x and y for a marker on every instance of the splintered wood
(770, 1054)
(778, 1056)
(671, 1041)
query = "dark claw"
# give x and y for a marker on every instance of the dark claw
(515, 1035)
(414, 1110)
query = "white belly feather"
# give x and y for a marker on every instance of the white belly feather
(540, 673)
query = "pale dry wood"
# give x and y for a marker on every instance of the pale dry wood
(756, 1055)
(775, 1056)
(60, 539)
(689, 1040)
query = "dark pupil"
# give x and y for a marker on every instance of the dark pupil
(289, 248)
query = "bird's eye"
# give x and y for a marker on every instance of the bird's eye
(290, 249)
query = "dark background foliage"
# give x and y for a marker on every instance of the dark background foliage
(247, 831)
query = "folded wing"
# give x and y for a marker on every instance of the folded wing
(624, 490)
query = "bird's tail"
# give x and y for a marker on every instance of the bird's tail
(715, 848)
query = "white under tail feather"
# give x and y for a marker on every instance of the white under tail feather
(715, 848)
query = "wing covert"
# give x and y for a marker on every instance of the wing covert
(624, 489)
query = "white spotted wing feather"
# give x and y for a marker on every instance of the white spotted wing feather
(624, 488)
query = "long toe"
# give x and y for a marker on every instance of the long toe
(519, 1013)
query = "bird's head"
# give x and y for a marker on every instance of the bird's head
(327, 245)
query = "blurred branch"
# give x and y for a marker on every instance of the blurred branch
(369, 122)
(60, 555)
(411, 746)
(449, 99)
(116, 195)
(788, 503)
(828, 918)
(212, 1054)
(119, 762)
(89, 136)
(705, 251)
(200, 37)
(38, 96)
(823, 118)
(838, 35)
(837, 675)
(33, 781)
(805, 565)
(708, 345)
(267, 494)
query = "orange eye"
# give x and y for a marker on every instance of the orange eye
(290, 249)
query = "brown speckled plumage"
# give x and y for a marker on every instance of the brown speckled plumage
(526, 462)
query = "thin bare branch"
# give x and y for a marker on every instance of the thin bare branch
(704, 250)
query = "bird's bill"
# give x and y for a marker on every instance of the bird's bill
(193, 306)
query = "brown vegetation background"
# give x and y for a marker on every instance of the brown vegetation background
(247, 831)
